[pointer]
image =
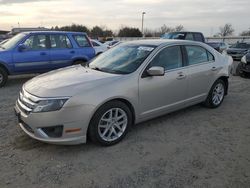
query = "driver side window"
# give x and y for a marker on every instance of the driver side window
(168, 58)
(36, 42)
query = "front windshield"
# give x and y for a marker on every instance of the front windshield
(241, 45)
(123, 59)
(13, 41)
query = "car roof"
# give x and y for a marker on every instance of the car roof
(159, 42)
(54, 32)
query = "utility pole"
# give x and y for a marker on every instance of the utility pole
(142, 31)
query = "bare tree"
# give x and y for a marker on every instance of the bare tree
(245, 33)
(179, 28)
(226, 30)
(166, 29)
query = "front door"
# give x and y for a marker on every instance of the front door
(160, 94)
(35, 57)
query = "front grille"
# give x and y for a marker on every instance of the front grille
(26, 102)
(233, 53)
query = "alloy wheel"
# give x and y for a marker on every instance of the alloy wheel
(218, 94)
(112, 124)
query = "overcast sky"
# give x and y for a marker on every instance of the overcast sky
(195, 15)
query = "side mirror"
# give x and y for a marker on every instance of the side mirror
(156, 71)
(22, 47)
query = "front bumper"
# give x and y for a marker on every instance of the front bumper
(71, 118)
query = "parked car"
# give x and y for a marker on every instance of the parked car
(37, 52)
(238, 50)
(4, 41)
(112, 43)
(219, 46)
(128, 84)
(194, 36)
(99, 47)
(244, 65)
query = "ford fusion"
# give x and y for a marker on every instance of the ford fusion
(128, 84)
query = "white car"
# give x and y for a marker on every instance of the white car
(99, 47)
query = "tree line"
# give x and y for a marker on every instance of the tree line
(125, 31)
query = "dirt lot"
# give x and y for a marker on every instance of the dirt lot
(194, 147)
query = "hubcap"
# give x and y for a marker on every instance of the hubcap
(112, 124)
(218, 94)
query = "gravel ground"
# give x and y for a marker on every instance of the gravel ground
(194, 147)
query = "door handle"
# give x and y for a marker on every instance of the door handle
(181, 76)
(72, 52)
(214, 68)
(43, 53)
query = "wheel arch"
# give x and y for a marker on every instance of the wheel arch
(225, 80)
(5, 68)
(83, 58)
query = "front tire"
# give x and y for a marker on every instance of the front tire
(3, 77)
(216, 94)
(110, 123)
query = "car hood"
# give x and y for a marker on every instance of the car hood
(67, 81)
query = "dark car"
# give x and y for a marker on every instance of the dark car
(244, 66)
(219, 46)
(195, 36)
(42, 51)
(238, 50)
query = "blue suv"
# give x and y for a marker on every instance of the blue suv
(42, 51)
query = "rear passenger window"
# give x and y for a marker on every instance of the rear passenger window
(60, 41)
(210, 56)
(196, 55)
(169, 58)
(82, 41)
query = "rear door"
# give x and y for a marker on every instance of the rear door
(36, 56)
(201, 70)
(61, 51)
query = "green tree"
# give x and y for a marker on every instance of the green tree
(129, 32)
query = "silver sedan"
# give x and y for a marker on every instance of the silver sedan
(128, 84)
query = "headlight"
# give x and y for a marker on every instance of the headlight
(244, 59)
(49, 105)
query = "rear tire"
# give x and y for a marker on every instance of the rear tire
(216, 94)
(110, 123)
(3, 77)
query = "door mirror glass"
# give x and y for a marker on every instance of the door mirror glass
(156, 71)
(22, 47)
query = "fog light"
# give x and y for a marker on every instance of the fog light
(53, 132)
